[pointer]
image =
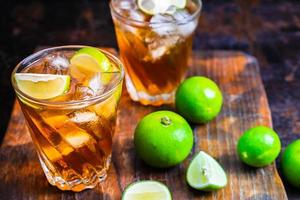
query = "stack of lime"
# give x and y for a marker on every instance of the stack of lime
(164, 138)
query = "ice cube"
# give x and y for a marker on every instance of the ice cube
(124, 5)
(128, 9)
(132, 13)
(162, 24)
(72, 133)
(137, 15)
(55, 64)
(171, 10)
(127, 4)
(157, 53)
(77, 139)
(186, 25)
(87, 120)
(83, 117)
(59, 62)
(95, 83)
(83, 92)
(161, 46)
(181, 15)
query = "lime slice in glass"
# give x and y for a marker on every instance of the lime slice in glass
(42, 86)
(143, 190)
(87, 64)
(153, 7)
(89, 60)
(205, 173)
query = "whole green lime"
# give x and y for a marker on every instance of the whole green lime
(163, 139)
(290, 163)
(259, 146)
(198, 99)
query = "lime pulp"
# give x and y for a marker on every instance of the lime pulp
(147, 190)
(42, 86)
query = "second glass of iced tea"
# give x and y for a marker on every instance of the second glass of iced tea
(154, 48)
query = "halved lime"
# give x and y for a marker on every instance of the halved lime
(90, 59)
(153, 7)
(205, 173)
(147, 190)
(42, 86)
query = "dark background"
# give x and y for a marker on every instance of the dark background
(267, 29)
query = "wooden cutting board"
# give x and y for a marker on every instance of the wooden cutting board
(245, 106)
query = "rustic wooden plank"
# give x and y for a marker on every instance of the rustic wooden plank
(245, 105)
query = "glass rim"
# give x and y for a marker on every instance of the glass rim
(43, 102)
(143, 23)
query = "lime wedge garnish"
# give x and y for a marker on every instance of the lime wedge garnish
(205, 173)
(153, 7)
(149, 6)
(42, 86)
(90, 59)
(146, 190)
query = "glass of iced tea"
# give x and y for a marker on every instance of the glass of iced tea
(155, 42)
(69, 97)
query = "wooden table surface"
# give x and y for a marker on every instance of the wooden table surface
(268, 29)
(245, 105)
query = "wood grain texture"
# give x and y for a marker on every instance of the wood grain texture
(245, 105)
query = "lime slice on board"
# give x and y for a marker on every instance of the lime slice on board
(42, 86)
(205, 173)
(153, 7)
(147, 190)
(89, 60)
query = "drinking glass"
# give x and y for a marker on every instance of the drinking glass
(154, 49)
(72, 133)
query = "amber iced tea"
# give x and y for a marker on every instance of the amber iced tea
(151, 78)
(154, 49)
(73, 132)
